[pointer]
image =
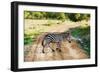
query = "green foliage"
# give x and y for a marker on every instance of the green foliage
(80, 31)
(27, 39)
(84, 35)
(31, 37)
(61, 16)
(85, 16)
(56, 15)
(78, 17)
(27, 15)
(37, 15)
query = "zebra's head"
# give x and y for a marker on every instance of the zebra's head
(68, 36)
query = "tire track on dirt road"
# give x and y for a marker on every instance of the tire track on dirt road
(68, 52)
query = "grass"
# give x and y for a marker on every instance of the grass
(84, 34)
(27, 39)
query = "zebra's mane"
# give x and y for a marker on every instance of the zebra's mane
(65, 34)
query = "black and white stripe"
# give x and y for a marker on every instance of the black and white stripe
(55, 38)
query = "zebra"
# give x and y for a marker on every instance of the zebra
(55, 38)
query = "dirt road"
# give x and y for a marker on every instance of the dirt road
(68, 50)
(65, 26)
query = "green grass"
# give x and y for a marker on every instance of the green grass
(30, 38)
(27, 39)
(84, 34)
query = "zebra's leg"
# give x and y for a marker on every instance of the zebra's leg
(59, 46)
(43, 49)
(51, 48)
(46, 46)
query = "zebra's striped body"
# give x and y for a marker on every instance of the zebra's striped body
(55, 38)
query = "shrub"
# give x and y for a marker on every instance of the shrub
(84, 35)
(27, 39)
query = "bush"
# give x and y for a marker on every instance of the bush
(78, 17)
(27, 39)
(84, 35)
(56, 15)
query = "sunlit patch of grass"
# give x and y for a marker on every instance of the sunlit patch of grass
(84, 25)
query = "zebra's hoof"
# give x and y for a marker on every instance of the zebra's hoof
(53, 50)
(43, 52)
(59, 50)
(69, 41)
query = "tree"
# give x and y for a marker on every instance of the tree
(27, 14)
(56, 15)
